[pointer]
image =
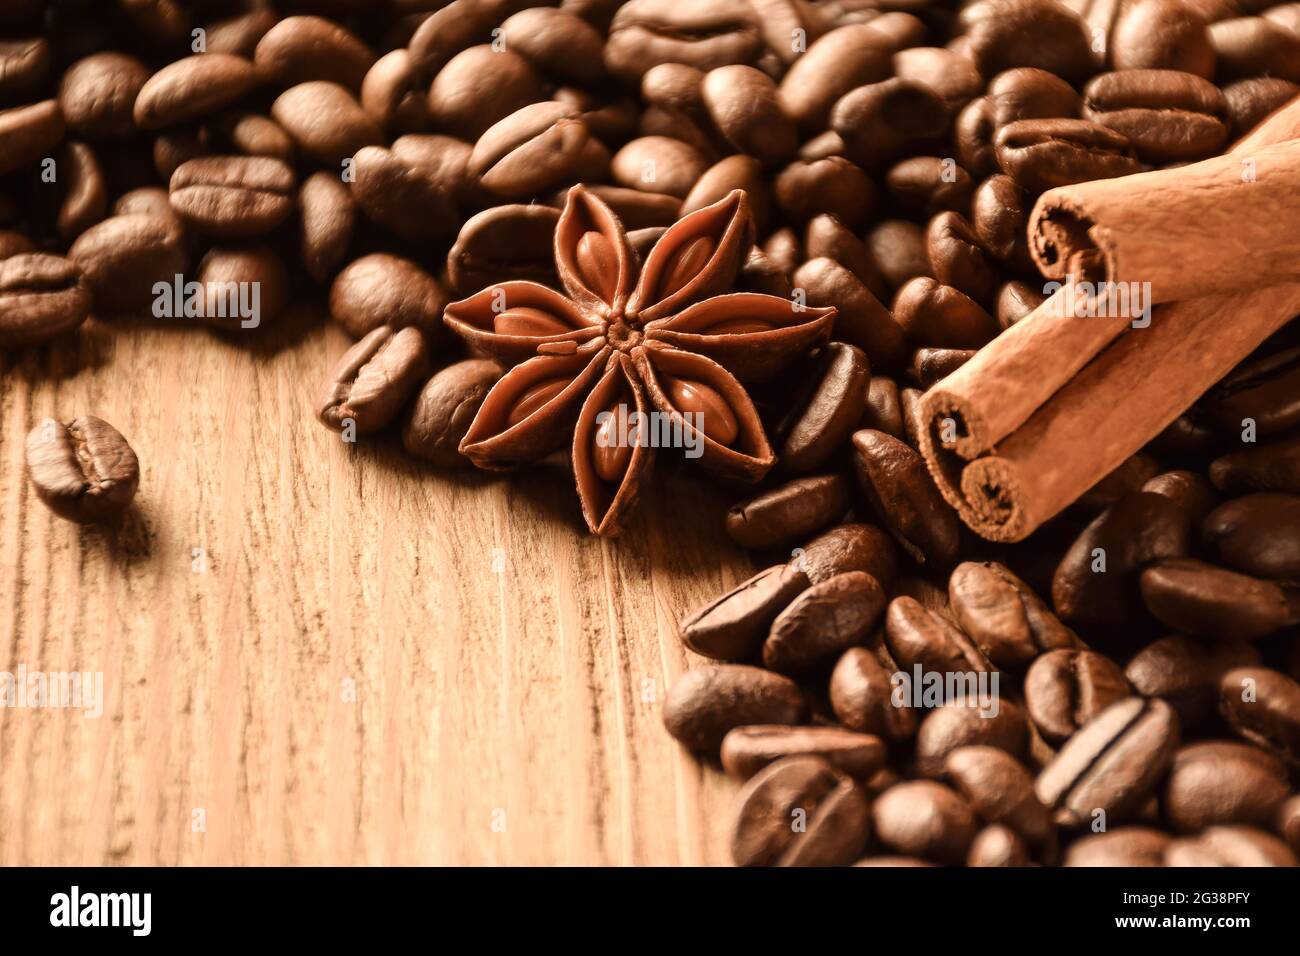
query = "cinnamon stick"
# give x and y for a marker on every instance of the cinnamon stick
(1055, 403)
(1208, 228)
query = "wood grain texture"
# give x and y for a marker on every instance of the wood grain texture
(381, 663)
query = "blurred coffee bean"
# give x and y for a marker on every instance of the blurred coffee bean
(256, 268)
(1123, 846)
(1263, 707)
(744, 105)
(975, 719)
(849, 547)
(1264, 393)
(1112, 764)
(747, 750)
(1198, 598)
(1096, 581)
(827, 237)
(325, 121)
(193, 88)
(1254, 46)
(28, 133)
(880, 121)
(938, 315)
(862, 697)
(933, 365)
(403, 196)
(1189, 490)
(997, 845)
(97, 94)
(805, 189)
(706, 702)
(124, 257)
(1039, 33)
(1000, 789)
(800, 811)
(1026, 93)
(951, 75)
(1015, 301)
(788, 513)
(700, 33)
(922, 186)
(897, 248)
(327, 220)
(884, 407)
(656, 164)
(925, 819)
(301, 49)
(839, 61)
(1214, 783)
(1270, 466)
(1162, 35)
(1250, 100)
(717, 182)
(1258, 534)
(1185, 673)
(41, 296)
(1229, 846)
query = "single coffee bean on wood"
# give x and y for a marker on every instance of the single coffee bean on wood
(707, 702)
(84, 470)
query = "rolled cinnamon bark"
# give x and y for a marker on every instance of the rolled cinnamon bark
(1209, 228)
(1110, 409)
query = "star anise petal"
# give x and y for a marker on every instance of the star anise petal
(531, 409)
(592, 255)
(722, 413)
(609, 460)
(510, 322)
(698, 256)
(751, 335)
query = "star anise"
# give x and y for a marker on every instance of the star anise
(675, 340)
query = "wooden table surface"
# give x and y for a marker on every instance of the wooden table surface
(320, 653)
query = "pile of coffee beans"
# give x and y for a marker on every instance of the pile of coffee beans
(223, 161)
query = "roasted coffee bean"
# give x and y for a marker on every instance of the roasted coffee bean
(243, 287)
(800, 811)
(809, 188)
(1258, 534)
(1003, 34)
(1214, 783)
(1112, 764)
(390, 95)
(1096, 581)
(1254, 46)
(327, 215)
(558, 42)
(743, 104)
(240, 34)
(900, 490)
(948, 73)
(1185, 673)
(1263, 707)
(1044, 153)
(449, 30)
(938, 315)
(175, 148)
(382, 289)
(925, 185)
(789, 513)
(879, 121)
(1189, 490)
(715, 184)
(41, 296)
(24, 67)
(124, 257)
(917, 637)
(28, 133)
(898, 249)
(861, 319)
(1001, 790)
(481, 86)
(884, 411)
(1288, 822)
(734, 626)
(823, 621)
(1198, 598)
(301, 49)
(233, 196)
(1250, 100)
(699, 33)
(444, 409)
(1229, 846)
(372, 381)
(1270, 466)
(251, 134)
(761, 275)
(832, 412)
(969, 718)
(925, 819)
(504, 243)
(1265, 393)
(1027, 93)
(14, 244)
(97, 94)
(957, 257)
(1000, 217)
(973, 132)
(1066, 689)
(843, 59)
(83, 470)
(707, 702)
(997, 845)
(862, 697)
(1123, 846)
(325, 121)
(193, 88)
(933, 365)
(1167, 116)
(1015, 301)
(849, 547)
(532, 150)
(641, 210)
(1162, 35)
(1123, 481)
(747, 750)
(404, 197)
(1003, 616)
